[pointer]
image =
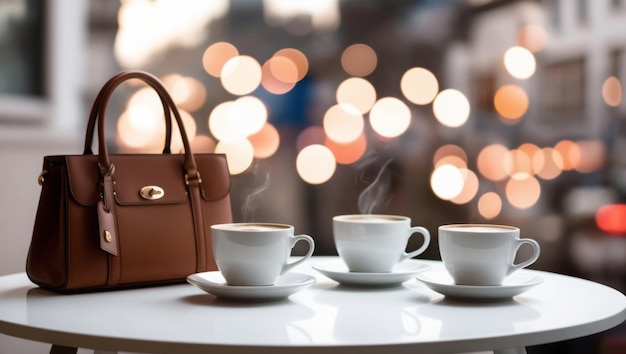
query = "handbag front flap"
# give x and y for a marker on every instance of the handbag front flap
(147, 178)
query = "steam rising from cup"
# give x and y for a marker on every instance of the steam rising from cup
(376, 195)
(254, 195)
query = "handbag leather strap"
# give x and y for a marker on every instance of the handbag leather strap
(192, 178)
(109, 87)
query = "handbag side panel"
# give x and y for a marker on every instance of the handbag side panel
(216, 205)
(58, 221)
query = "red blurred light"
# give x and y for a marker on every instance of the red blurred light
(612, 219)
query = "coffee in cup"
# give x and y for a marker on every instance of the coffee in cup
(375, 243)
(482, 254)
(255, 254)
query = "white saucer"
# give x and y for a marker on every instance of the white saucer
(338, 271)
(515, 284)
(214, 283)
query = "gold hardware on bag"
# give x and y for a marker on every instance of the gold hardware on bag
(152, 192)
(42, 177)
(107, 236)
(187, 178)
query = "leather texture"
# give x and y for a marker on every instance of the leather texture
(93, 229)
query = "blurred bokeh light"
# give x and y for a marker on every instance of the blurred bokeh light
(316, 164)
(390, 117)
(265, 142)
(359, 60)
(447, 181)
(490, 162)
(216, 55)
(350, 152)
(612, 219)
(520, 62)
(511, 102)
(239, 154)
(490, 205)
(357, 92)
(523, 190)
(451, 108)
(612, 91)
(241, 75)
(343, 123)
(419, 85)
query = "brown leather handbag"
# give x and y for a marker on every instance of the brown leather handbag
(111, 221)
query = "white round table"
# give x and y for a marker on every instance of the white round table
(325, 318)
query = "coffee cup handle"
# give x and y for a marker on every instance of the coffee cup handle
(425, 235)
(531, 260)
(295, 240)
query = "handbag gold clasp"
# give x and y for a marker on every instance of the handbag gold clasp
(42, 177)
(152, 192)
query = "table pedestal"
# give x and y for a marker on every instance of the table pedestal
(59, 349)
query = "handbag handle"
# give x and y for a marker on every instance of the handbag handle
(95, 109)
(99, 109)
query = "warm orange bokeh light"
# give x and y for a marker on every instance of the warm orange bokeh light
(612, 219)
(523, 190)
(390, 117)
(220, 124)
(191, 127)
(450, 153)
(141, 127)
(470, 187)
(273, 84)
(135, 131)
(453, 160)
(265, 142)
(239, 154)
(216, 55)
(346, 154)
(419, 85)
(248, 115)
(203, 144)
(530, 150)
(532, 37)
(241, 75)
(570, 154)
(357, 92)
(359, 60)
(315, 164)
(298, 58)
(188, 93)
(283, 69)
(490, 162)
(547, 163)
(511, 102)
(592, 155)
(343, 123)
(235, 120)
(517, 161)
(612, 91)
(489, 205)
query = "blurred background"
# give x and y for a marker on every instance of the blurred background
(448, 111)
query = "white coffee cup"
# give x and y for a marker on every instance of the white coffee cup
(482, 254)
(375, 243)
(255, 254)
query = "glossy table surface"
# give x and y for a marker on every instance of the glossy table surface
(324, 318)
